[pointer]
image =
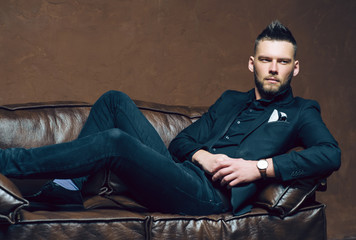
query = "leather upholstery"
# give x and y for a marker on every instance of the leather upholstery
(11, 200)
(282, 211)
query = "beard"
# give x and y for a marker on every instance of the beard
(270, 93)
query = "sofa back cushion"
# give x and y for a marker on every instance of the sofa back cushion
(37, 124)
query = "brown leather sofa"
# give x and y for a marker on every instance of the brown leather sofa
(281, 210)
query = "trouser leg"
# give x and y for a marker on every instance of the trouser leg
(153, 178)
(116, 110)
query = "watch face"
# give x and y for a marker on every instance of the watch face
(262, 164)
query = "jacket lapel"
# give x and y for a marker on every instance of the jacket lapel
(225, 123)
(230, 118)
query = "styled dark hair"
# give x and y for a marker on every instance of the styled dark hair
(276, 31)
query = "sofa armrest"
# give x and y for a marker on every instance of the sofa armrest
(283, 199)
(11, 200)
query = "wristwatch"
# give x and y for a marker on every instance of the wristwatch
(262, 166)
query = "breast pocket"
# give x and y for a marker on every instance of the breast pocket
(276, 127)
(270, 139)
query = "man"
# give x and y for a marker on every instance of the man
(244, 138)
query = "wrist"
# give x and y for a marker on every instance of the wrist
(270, 169)
(200, 155)
(197, 155)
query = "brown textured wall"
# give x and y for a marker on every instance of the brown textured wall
(183, 52)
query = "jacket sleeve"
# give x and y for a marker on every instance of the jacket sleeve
(321, 155)
(192, 138)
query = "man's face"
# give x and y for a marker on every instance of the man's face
(273, 66)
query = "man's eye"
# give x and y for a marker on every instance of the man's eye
(285, 61)
(264, 60)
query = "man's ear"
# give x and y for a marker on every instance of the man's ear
(251, 61)
(296, 68)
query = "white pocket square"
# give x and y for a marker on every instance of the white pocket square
(277, 116)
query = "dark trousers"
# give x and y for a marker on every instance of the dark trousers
(117, 136)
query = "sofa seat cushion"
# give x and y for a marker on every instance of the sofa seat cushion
(80, 215)
(86, 224)
(308, 223)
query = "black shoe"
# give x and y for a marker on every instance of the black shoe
(54, 197)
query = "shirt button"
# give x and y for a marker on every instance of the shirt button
(227, 137)
(251, 110)
(214, 149)
(238, 122)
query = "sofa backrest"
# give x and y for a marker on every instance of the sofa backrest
(170, 120)
(38, 124)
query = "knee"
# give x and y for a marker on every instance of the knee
(115, 135)
(108, 140)
(116, 96)
(117, 139)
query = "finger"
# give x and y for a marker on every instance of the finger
(228, 179)
(217, 175)
(234, 183)
(222, 173)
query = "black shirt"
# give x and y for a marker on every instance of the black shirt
(229, 143)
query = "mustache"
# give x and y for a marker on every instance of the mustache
(272, 77)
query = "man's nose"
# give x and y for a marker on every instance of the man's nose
(273, 68)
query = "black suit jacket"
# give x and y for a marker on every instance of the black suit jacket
(303, 127)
